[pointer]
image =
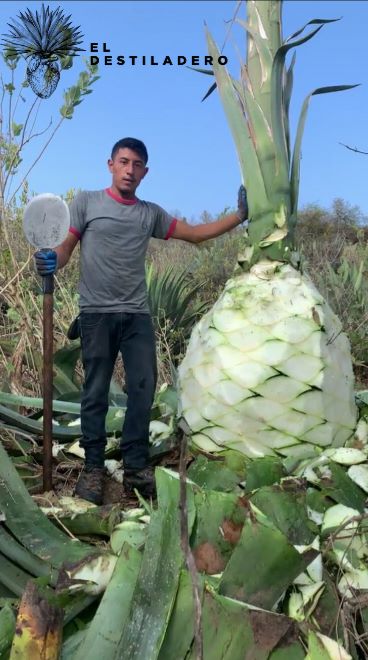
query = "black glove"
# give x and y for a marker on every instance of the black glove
(242, 204)
(46, 262)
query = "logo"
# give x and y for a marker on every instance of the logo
(99, 57)
(47, 40)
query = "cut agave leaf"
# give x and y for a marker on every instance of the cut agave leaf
(353, 580)
(31, 527)
(7, 629)
(129, 531)
(304, 600)
(321, 647)
(233, 630)
(103, 634)
(286, 508)
(347, 456)
(38, 627)
(342, 489)
(359, 474)
(158, 580)
(277, 565)
(213, 474)
(220, 519)
(263, 471)
(338, 515)
(180, 631)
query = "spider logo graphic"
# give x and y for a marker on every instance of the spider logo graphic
(43, 38)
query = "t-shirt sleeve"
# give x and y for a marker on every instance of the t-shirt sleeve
(164, 223)
(77, 209)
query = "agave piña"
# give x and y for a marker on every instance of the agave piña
(268, 368)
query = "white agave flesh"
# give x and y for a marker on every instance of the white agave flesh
(205, 443)
(334, 650)
(338, 515)
(281, 341)
(255, 449)
(281, 389)
(352, 580)
(346, 455)
(93, 576)
(249, 374)
(359, 474)
(272, 352)
(361, 432)
(307, 365)
(295, 330)
(310, 595)
(228, 392)
(249, 337)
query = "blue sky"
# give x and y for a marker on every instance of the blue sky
(193, 162)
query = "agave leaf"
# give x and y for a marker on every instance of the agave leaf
(220, 520)
(262, 46)
(99, 520)
(30, 526)
(263, 471)
(328, 609)
(37, 402)
(71, 644)
(233, 630)
(277, 103)
(243, 135)
(288, 88)
(293, 651)
(314, 21)
(35, 427)
(277, 565)
(180, 632)
(7, 629)
(287, 509)
(209, 92)
(39, 627)
(265, 143)
(206, 71)
(342, 489)
(321, 647)
(295, 167)
(104, 632)
(213, 475)
(66, 359)
(158, 580)
(13, 577)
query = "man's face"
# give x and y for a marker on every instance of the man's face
(127, 169)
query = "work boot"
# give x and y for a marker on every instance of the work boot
(90, 484)
(143, 480)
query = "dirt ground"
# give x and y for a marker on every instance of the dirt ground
(65, 476)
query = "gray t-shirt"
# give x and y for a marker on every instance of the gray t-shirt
(114, 237)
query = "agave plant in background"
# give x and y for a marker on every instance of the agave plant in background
(268, 368)
(171, 301)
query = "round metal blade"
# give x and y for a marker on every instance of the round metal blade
(46, 221)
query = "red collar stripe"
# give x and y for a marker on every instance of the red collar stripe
(128, 202)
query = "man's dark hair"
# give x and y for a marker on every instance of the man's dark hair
(131, 143)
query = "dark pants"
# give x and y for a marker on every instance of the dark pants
(103, 335)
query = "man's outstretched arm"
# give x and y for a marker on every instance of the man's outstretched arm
(203, 232)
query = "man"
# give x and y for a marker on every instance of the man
(114, 228)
